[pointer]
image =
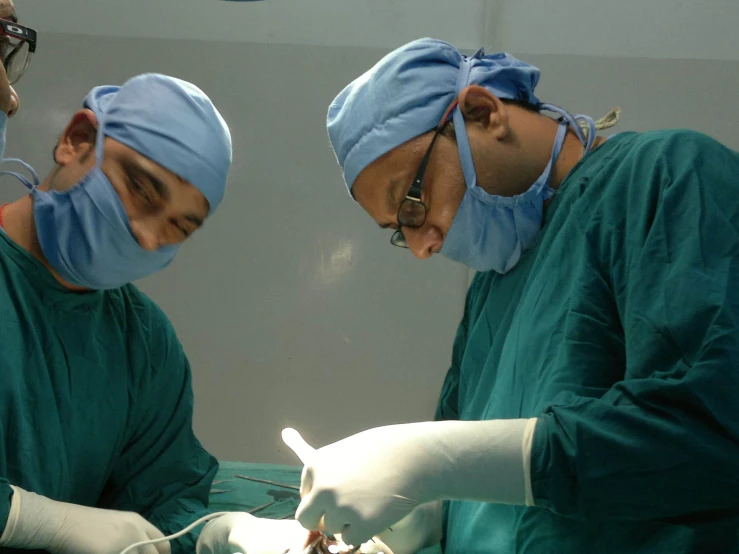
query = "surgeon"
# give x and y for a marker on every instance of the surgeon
(97, 450)
(17, 44)
(591, 403)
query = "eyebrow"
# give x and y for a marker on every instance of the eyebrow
(133, 170)
(161, 189)
(159, 186)
(12, 16)
(195, 220)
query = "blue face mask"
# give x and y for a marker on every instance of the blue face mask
(491, 232)
(85, 233)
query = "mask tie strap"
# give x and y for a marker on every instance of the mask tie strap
(463, 144)
(32, 186)
(582, 125)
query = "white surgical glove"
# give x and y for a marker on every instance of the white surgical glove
(239, 532)
(361, 485)
(39, 523)
(417, 530)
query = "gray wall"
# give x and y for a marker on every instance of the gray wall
(293, 307)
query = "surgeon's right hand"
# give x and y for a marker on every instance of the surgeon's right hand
(39, 523)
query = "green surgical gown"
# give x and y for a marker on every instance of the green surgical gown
(619, 331)
(95, 400)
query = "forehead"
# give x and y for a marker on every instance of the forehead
(399, 164)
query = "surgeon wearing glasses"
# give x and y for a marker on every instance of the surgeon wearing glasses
(17, 45)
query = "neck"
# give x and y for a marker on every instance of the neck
(20, 227)
(570, 155)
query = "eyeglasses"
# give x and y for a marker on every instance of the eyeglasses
(17, 44)
(412, 210)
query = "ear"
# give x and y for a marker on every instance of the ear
(481, 106)
(78, 139)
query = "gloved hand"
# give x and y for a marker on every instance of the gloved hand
(39, 523)
(243, 533)
(361, 485)
(417, 530)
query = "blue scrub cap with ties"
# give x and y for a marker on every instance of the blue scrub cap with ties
(406, 93)
(173, 123)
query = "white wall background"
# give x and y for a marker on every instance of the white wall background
(292, 305)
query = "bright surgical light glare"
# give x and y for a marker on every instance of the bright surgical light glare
(334, 261)
(333, 548)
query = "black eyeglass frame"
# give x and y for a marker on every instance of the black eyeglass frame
(25, 35)
(412, 203)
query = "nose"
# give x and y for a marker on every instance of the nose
(15, 103)
(424, 241)
(145, 235)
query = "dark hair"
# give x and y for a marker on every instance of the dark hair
(448, 130)
(521, 104)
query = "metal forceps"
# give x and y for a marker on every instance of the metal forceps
(266, 482)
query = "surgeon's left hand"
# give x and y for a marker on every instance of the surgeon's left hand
(239, 532)
(242, 533)
(361, 485)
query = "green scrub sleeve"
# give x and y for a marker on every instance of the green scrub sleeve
(6, 495)
(663, 443)
(164, 473)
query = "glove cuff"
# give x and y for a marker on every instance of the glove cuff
(487, 461)
(527, 445)
(32, 521)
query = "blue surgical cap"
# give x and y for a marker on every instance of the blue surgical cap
(171, 122)
(406, 93)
